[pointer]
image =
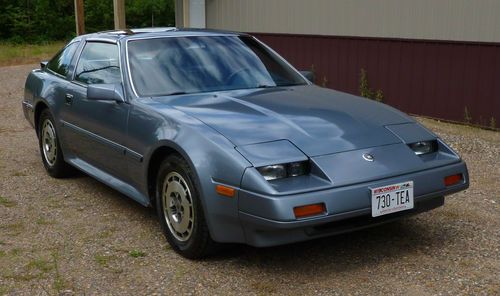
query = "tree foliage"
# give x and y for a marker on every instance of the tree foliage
(48, 20)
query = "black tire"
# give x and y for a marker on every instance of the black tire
(197, 243)
(54, 164)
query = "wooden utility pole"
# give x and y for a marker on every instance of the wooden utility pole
(79, 17)
(119, 12)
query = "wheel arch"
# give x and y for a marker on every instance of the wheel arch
(160, 152)
(39, 107)
(203, 157)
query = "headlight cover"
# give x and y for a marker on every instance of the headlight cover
(286, 170)
(424, 147)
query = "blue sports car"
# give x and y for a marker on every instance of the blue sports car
(228, 141)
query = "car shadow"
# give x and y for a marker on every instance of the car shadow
(368, 247)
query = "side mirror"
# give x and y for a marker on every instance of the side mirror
(105, 92)
(309, 75)
(43, 64)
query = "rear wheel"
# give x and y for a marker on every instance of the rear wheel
(50, 149)
(180, 210)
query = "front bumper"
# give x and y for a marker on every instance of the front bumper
(269, 220)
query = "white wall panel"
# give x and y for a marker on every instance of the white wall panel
(463, 20)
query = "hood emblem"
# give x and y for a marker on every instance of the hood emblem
(368, 157)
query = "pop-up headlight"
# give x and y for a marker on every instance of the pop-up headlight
(279, 171)
(424, 147)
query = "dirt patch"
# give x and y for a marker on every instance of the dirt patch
(77, 236)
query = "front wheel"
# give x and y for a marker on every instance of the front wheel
(180, 210)
(50, 149)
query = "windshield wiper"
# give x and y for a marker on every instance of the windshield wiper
(176, 93)
(96, 69)
(291, 84)
(265, 86)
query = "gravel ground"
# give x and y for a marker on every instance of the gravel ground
(77, 236)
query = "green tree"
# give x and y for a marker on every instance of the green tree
(47, 20)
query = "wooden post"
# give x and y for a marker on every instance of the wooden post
(185, 13)
(179, 13)
(119, 12)
(79, 17)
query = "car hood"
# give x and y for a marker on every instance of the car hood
(317, 120)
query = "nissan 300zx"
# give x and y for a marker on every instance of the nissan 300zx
(228, 141)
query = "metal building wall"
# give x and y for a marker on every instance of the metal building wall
(463, 20)
(431, 78)
(403, 44)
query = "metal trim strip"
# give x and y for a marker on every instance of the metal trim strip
(118, 147)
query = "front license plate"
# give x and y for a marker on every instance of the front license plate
(392, 198)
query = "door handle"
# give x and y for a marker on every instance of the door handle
(68, 99)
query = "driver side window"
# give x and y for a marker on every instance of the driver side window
(98, 64)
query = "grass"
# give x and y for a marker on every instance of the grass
(43, 221)
(264, 288)
(13, 229)
(40, 268)
(7, 203)
(4, 290)
(137, 253)
(19, 174)
(41, 264)
(15, 251)
(103, 260)
(59, 282)
(19, 54)
(106, 233)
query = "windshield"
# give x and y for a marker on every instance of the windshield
(177, 65)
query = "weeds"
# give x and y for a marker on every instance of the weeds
(379, 96)
(364, 88)
(467, 116)
(366, 91)
(137, 253)
(324, 83)
(493, 123)
(313, 70)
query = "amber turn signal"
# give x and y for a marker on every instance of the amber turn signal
(453, 179)
(225, 191)
(309, 210)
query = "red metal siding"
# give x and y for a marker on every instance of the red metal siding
(431, 78)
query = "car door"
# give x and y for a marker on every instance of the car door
(60, 68)
(98, 127)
